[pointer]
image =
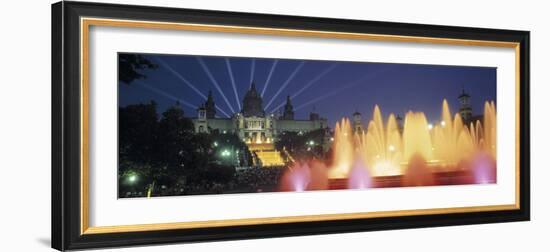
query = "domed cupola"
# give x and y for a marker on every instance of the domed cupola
(252, 103)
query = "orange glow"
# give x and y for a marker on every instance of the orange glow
(422, 146)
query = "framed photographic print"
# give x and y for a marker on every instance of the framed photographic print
(178, 125)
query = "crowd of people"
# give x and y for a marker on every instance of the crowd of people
(246, 180)
(258, 179)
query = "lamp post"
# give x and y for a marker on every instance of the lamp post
(131, 179)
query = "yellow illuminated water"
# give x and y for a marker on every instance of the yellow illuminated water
(386, 150)
(342, 150)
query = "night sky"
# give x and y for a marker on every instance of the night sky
(333, 89)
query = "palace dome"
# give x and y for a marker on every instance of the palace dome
(252, 103)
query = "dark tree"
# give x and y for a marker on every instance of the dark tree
(174, 148)
(290, 141)
(164, 156)
(303, 146)
(129, 66)
(138, 125)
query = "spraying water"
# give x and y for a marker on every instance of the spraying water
(416, 152)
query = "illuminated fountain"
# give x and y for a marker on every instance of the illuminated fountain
(296, 178)
(418, 173)
(419, 154)
(359, 176)
(381, 146)
(484, 169)
(490, 131)
(305, 176)
(318, 175)
(342, 150)
(416, 137)
(452, 140)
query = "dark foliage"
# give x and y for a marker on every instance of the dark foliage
(303, 146)
(137, 127)
(129, 66)
(164, 156)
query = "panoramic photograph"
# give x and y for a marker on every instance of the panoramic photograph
(200, 125)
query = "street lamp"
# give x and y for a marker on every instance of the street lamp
(131, 181)
(132, 178)
(226, 153)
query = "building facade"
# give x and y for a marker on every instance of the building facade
(465, 106)
(252, 124)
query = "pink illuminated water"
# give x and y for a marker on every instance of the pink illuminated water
(304, 176)
(296, 178)
(418, 173)
(484, 169)
(416, 152)
(318, 175)
(359, 176)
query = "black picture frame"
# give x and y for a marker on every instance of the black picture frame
(66, 114)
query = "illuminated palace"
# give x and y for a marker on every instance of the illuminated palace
(254, 126)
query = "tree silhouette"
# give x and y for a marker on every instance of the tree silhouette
(129, 66)
(163, 155)
(138, 125)
(302, 146)
(137, 131)
(175, 149)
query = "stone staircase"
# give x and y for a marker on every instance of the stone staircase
(266, 154)
(270, 158)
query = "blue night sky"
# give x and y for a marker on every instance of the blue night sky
(333, 89)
